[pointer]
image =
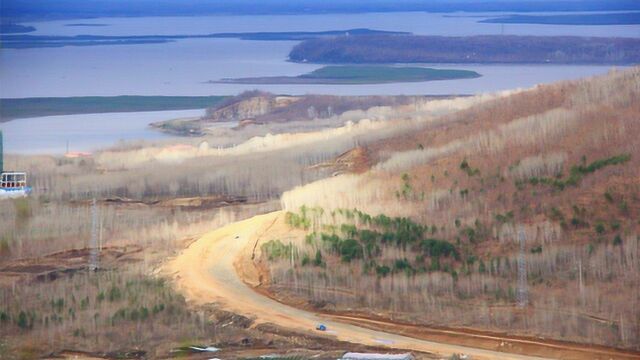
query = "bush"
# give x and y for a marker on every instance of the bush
(437, 248)
(350, 249)
(401, 265)
(275, 249)
(23, 321)
(617, 240)
(482, 268)
(382, 270)
(507, 217)
(608, 196)
(464, 166)
(114, 294)
(4, 317)
(317, 261)
(298, 221)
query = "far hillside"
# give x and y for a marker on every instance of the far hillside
(506, 49)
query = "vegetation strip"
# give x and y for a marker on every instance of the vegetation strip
(576, 173)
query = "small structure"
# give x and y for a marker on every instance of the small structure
(373, 356)
(12, 183)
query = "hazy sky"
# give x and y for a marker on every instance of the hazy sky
(15, 10)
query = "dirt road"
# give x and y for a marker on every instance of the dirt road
(205, 273)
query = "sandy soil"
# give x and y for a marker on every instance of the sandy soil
(205, 273)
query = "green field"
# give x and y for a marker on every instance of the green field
(31, 107)
(355, 74)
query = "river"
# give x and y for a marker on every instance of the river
(84, 132)
(184, 66)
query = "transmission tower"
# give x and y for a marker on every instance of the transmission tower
(93, 246)
(522, 295)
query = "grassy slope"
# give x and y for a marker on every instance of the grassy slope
(361, 75)
(31, 107)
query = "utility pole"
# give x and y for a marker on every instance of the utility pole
(93, 246)
(522, 295)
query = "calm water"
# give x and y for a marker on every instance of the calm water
(87, 132)
(182, 67)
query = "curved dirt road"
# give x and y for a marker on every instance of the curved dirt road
(205, 273)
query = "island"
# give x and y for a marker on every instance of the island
(359, 74)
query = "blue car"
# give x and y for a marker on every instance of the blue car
(321, 327)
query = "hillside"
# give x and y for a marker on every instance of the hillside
(262, 108)
(430, 234)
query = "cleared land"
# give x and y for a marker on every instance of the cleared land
(11, 109)
(506, 49)
(346, 75)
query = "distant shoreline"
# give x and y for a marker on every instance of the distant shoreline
(627, 18)
(41, 41)
(86, 25)
(12, 109)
